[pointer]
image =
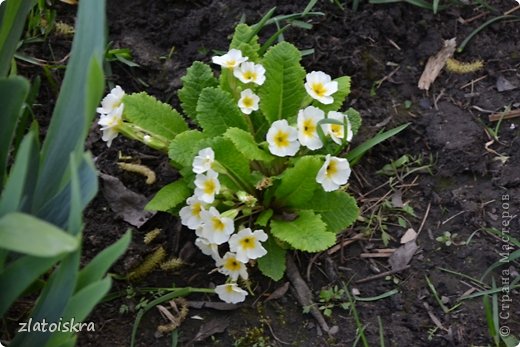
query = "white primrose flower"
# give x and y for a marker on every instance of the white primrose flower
(230, 293)
(337, 131)
(208, 248)
(207, 186)
(203, 160)
(111, 101)
(248, 101)
(232, 267)
(282, 139)
(190, 214)
(109, 124)
(308, 119)
(250, 72)
(334, 173)
(246, 244)
(215, 228)
(230, 60)
(320, 87)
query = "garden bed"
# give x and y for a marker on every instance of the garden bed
(465, 185)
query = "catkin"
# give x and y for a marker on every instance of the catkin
(150, 263)
(140, 169)
(151, 235)
(172, 264)
(455, 66)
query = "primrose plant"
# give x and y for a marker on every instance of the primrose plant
(263, 170)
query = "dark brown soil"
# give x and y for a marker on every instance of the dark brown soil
(464, 195)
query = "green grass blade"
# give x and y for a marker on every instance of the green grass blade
(479, 29)
(378, 297)
(356, 154)
(260, 25)
(13, 92)
(12, 24)
(80, 93)
(381, 332)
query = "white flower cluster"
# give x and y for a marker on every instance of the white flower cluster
(111, 114)
(214, 229)
(245, 71)
(285, 140)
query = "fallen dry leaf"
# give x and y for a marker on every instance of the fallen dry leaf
(214, 326)
(125, 203)
(408, 236)
(436, 63)
(279, 292)
(402, 256)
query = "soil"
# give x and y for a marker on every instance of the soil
(383, 48)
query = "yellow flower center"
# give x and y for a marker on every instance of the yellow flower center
(332, 169)
(196, 209)
(337, 130)
(250, 75)
(217, 224)
(319, 89)
(231, 63)
(248, 242)
(232, 264)
(248, 102)
(209, 186)
(229, 289)
(281, 139)
(309, 128)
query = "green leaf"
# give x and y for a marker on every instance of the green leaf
(19, 275)
(246, 41)
(52, 301)
(339, 96)
(75, 107)
(306, 233)
(298, 183)
(273, 263)
(355, 119)
(13, 92)
(264, 217)
(154, 116)
(198, 77)
(79, 307)
(186, 146)
(337, 209)
(23, 233)
(283, 92)
(98, 266)
(170, 196)
(217, 111)
(245, 144)
(22, 176)
(235, 163)
(12, 22)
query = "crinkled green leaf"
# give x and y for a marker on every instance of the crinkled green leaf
(217, 111)
(152, 115)
(307, 233)
(264, 217)
(338, 209)
(234, 162)
(245, 40)
(169, 197)
(355, 119)
(186, 146)
(273, 263)
(339, 96)
(198, 77)
(245, 143)
(282, 93)
(298, 183)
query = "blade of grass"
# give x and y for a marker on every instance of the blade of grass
(436, 296)
(381, 332)
(355, 155)
(479, 29)
(378, 297)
